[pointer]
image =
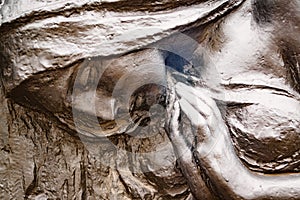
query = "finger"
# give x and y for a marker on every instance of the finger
(188, 93)
(206, 96)
(195, 117)
(194, 100)
(170, 105)
(208, 141)
(185, 157)
(174, 121)
(175, 134)
(202, 95)
(212, 116)
(199, 92)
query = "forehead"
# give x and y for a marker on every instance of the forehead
(40, 36)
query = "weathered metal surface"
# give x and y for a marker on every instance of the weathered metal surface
(150, 99)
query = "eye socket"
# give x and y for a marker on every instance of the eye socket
(126, 81)
(144, 99)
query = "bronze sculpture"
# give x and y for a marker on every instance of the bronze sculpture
(226, 95)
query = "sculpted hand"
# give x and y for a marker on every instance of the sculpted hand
(193, 143)
(212, 150)
(182, 136)
(205, 116)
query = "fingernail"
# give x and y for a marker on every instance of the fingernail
(180, 90)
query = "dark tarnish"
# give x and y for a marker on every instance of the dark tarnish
(93, 104)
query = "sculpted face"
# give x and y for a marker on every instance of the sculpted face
(124, 77)
(103, 88)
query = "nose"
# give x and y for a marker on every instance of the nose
(105, 107)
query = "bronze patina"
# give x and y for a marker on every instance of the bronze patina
(155, 99)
